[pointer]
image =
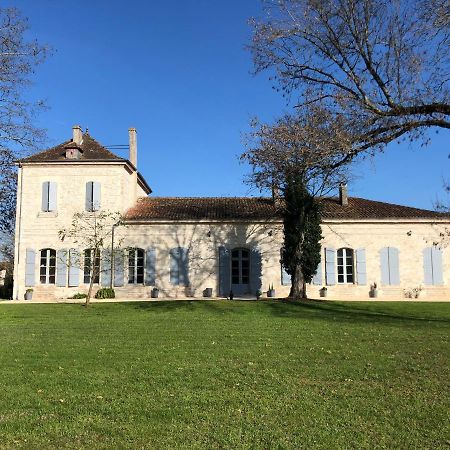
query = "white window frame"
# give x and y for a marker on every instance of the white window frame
(135, 266)
(345, 274)
(91, 261)
(47, 256)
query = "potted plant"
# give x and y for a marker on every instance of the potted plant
(155, 292)
(373, 290)
(29, 294)
(323, 292)
(258, 294)
(271, 291)
(231, 295)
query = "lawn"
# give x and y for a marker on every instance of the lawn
(224, 374)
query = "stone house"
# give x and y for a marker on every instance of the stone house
(188, 247)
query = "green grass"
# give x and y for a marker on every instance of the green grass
(225, 375)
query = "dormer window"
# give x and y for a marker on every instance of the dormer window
(73, 151)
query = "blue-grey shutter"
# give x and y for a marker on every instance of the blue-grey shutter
(394, 269)
(330, 266)
(105, 267)
(74, 267)
(150, 266)
(384, 266)
(317, 278)
(52, 196)
(119, 268)
(61, 268)
(45, 189)
(30, 258)
(224, 271)
(174, 256)
(96, 196)
(255, 270)
(184, 266)
(361, 271)
(89, 198)
(427, 266)
(436, 256)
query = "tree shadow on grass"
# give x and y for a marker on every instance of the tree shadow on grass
(345, 312)
(309, 310)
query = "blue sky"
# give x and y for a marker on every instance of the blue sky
(179, 72)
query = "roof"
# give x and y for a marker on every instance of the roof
(263, 208)
(91, 151)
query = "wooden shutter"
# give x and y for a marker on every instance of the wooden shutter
(330, 266)
(74, 267)
(224, 271)
(45, 196)
(61, 268)
(255, 270)
(361, 272)
(105, 268)
(52, 196)
(174, 256)
(119, 268)
(30, 258)
(150, 266)
(384, 266)
(183, 266)
(394, 269)
(427, 266)
(436, 256)
(317, 278)
(96, 194)
(89, 198)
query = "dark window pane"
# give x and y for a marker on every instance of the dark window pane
(349, 278)
(340, 278)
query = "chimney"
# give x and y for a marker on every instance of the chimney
(343, 194)
(133, 146)
(77, 134)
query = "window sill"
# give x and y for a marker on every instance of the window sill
(48, 214)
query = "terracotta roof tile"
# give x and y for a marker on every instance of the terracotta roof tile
(91, 150)
(260, 208)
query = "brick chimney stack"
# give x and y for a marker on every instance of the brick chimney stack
(343, 194)
(77, 134)
(133, 146)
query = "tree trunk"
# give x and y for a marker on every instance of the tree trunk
(298, 287)
(93, 271)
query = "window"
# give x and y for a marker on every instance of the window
(88, 261)
(48, 196)
(92, 196)
(240, 266)
(136, 266)
(345, 265)
(432, 264)
(389, 260)
(179, 266)
(47, 267)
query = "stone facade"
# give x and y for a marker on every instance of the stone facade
(204, 239)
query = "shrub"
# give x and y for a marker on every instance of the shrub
(105, 293)
(79, 295)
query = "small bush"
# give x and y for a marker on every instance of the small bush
(105, 293)
(79, 295)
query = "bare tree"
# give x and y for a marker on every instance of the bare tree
(93, 232)
(382, 66)
(296, 157)
(18, 59)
